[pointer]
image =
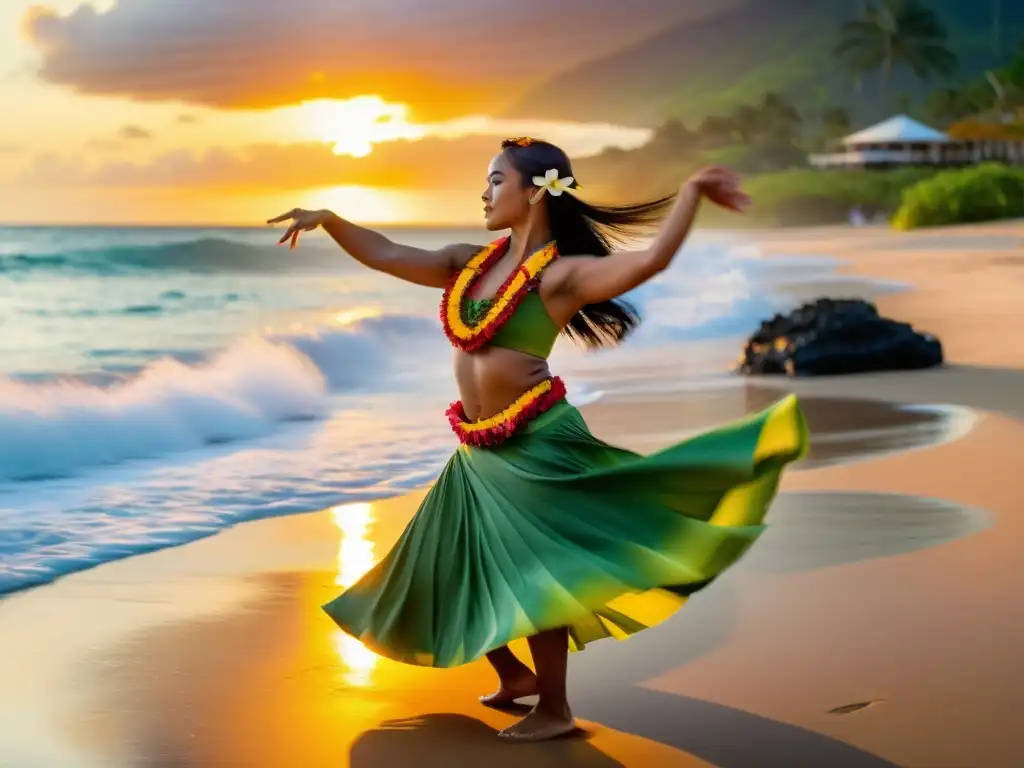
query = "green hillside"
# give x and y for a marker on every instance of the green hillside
(696, 69)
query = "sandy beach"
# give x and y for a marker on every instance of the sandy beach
(878, 622)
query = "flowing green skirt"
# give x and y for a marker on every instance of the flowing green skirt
(555, 528)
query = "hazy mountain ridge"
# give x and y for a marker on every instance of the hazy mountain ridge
(711, 65)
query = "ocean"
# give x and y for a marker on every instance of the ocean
(160, 384)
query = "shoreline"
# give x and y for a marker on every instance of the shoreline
(214, 652)
(178, 605)
(174, 632)
(636, 372)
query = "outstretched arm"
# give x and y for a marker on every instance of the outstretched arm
(432, 268)
(592, 279)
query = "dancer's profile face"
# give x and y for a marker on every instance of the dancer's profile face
(506, 198)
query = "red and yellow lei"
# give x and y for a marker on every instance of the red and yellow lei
(506, 301)
(501, 426)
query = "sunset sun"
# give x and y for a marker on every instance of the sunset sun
(354, 125)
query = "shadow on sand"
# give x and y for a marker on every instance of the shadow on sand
(810, 530)
(433, 740)
(724, 736)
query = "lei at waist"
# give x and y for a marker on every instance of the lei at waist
(498, 428)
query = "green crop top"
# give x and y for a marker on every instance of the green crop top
(530, 329)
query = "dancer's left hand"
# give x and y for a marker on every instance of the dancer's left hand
(722, 187)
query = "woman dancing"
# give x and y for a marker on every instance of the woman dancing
(536, 528)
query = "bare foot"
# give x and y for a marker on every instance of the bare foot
(540, 725)
(518, 687)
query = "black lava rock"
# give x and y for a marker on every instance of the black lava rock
(829, 337)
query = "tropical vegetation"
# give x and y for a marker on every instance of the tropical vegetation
(769, 137)
(984, 193)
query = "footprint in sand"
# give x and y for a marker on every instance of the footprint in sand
(849, 709)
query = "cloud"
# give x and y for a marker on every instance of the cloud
(127, 133)
(134, 132)
(444, 58)
(10, 149)
(427, 163)
(187, 119)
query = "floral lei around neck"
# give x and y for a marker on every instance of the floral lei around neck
(525, 278)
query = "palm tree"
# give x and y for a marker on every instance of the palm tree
(896, 33)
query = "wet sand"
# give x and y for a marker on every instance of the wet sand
(895, 583)
(843, 429)
(876, 623)
(217, 653)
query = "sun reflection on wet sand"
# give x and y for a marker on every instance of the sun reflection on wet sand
(355, 557)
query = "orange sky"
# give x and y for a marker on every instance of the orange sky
(149, 111)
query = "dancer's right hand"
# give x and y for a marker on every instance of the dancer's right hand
(302, 221)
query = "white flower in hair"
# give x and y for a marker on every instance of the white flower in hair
(550, 182)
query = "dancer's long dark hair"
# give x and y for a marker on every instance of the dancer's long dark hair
(582, 229)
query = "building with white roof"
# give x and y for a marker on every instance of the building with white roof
(901, 141)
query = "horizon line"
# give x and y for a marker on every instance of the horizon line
(215, 225)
